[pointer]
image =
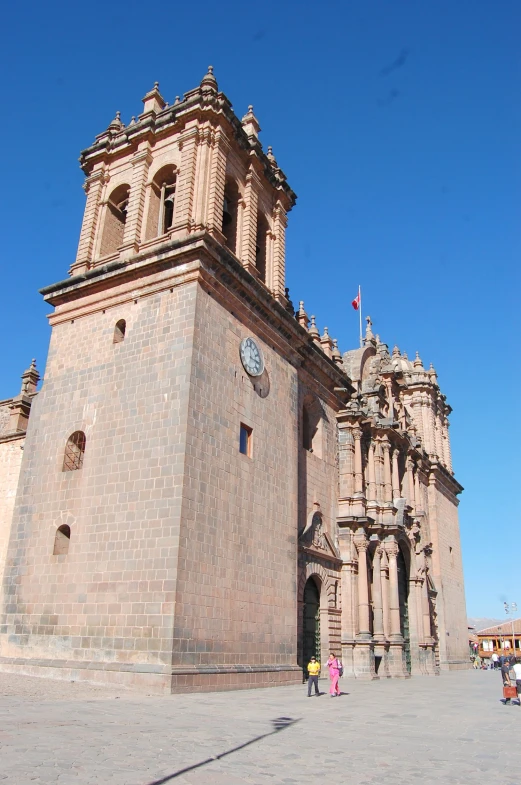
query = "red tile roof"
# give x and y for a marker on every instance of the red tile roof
(502, 629)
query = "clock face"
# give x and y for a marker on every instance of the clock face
(251, 357)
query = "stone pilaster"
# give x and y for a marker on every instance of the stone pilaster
(219, 154)
(188, 144)
(136, 201)
(349, 600)
(93, 188)
(202, 178)
(278, 277)
(248, 253)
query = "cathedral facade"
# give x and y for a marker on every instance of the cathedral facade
(205, 491)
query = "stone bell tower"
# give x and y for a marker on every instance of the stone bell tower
(154, 536)
(181, 170)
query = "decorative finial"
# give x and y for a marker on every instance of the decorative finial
(271, 157)
(132, 120)
(396, 351)
(313, 330)
(250, 108)
(302, 316)
(209, 81)
(335, 353)
(156, 85)
(177, 100)
(417, 362)
(116, 124)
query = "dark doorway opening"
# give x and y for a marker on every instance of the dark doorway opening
(311, 624)
(403, 591)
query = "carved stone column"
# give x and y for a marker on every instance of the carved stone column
(418, 502)
(394, 596)
(384, 574)
(346, 462)
(395, 659)
(378, 618)
(371, 476)
(388, 489)
(410, 481)
(359, 482)
(363, 652)
(395, 475)
(362, 543)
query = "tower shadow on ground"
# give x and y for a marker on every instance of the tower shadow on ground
(280, 723)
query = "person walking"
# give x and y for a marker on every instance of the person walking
(334, 674)
(517, 671)
(505, 675)
(495, 659)
(313, 672)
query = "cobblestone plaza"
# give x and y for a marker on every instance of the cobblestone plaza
(449, 729)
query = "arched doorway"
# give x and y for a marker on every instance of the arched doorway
(311, 624)
(403, 592)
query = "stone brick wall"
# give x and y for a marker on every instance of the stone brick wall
(236, 590)
(11, 453)
(448, 577)
(111, 598)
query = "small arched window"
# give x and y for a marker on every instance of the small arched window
(115, 219)
(74, 452)
(119, 331)
(62, 540)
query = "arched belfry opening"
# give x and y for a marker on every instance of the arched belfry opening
(311, 623)
(261, 246)
(161, 205)
(403, 593)
(115, 219)
(230, 214)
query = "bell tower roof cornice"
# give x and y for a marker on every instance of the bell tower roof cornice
(158, 119)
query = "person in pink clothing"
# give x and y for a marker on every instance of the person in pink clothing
(334, 674)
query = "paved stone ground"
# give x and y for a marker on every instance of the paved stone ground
(452, 729)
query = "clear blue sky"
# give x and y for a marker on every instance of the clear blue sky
(398, 125)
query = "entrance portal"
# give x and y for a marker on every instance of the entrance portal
(311, 624)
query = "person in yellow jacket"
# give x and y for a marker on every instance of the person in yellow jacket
(313, 671)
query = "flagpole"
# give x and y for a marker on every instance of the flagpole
(360, 312)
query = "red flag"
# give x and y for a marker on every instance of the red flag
(356, 302)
